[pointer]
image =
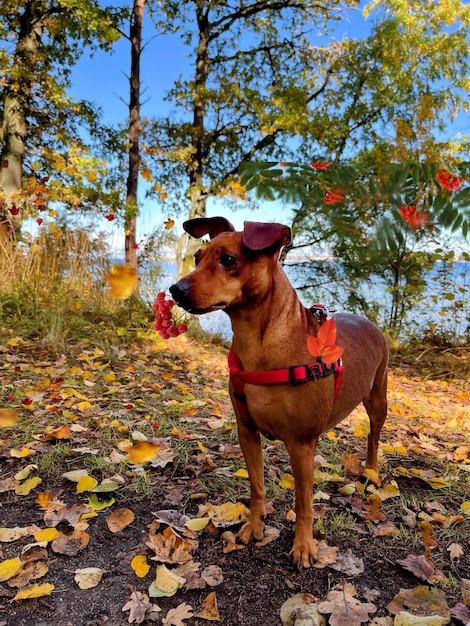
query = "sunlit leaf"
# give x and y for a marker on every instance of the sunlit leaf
(10, 568)
(34, 591)
(140, 565)
(119, 519)
(47, 534)
(123, 281)
(287, 481)
(86, 483)
(8, 418)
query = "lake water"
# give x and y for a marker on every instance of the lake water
(428, 311)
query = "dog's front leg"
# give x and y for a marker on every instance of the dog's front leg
(302, 462)
(250, 442)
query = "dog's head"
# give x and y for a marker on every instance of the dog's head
(233, 267)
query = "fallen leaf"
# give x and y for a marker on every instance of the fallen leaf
(8, 418)
(326, 555)
(166, 583)
(10, 568)
(270, 533)
(86, 483)
(47, 534)
(140, 565)
(71, 544)
(12, 534)
(209, 609)
(31, 571)
(345, 608)
(88, 577)
(349, 564)
(119, 519)
(455, 551)
(198, 523)
(142, 452)
(25, 488)
(422, 569)
(34, 591)
(139, 606)
(175, 617)
(287, 481)
(410, 619)
(422, 600)
(213, 575)
(229, 540)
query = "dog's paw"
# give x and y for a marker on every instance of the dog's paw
(304, 553)
(252, 528)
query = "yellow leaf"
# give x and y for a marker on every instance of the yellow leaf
(123, 280)
(86, 483)
(143, 452)
(227, 513)
(34, 591)
(8, 418)
(85, 405)
(396, 410)
(167, 582)
(361, 430)
(241, 473)
(202, 447)
(388, 491)
(25, 472)
(92, 177)
(48, 534)
(140, 566)
(20, 453)
(25, 488)
(99, 505)
(10, 568)
(372, 475)
(465, 508)
(197, 524)
(36, 166)
(209, 610)
(331, 435)
(287, 481)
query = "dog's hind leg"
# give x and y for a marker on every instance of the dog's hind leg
(376, 407)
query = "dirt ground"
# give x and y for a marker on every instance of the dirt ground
(425, 458)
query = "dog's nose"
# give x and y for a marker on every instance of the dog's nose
(180, 293)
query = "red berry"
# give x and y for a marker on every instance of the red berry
(173, 331)
(182, 328)
(161, 295)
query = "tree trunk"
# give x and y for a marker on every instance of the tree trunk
(187, 246)
(132, 208)
(17, 95)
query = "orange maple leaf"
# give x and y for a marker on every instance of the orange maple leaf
(324, 344)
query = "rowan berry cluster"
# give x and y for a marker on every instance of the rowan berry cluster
(163, 319)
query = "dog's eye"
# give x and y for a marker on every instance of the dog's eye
(227, 260)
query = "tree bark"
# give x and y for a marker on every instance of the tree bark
(17, 95)
(132, 207)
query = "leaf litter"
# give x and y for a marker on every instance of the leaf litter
(157, 431)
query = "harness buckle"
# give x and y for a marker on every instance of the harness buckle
(295, 379)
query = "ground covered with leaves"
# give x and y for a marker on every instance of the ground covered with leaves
(123, 486)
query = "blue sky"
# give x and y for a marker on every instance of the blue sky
(103, 80)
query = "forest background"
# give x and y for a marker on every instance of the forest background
(365, 105)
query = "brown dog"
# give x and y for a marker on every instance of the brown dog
(239, 272)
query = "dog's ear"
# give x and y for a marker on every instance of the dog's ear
(212, 226)
(258, 236)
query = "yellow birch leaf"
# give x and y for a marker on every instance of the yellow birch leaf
(142, 452)
(140, 566)
(25, 488)
(388, 491)
(84, 405)
(123, 280)
(465, 508)
(20, 453)
(241, 473)
(202, 447)
(34, 591)
(287, 481)
(167, 582)
(197, 524)
(47, 534)
(8, 418)
(10, 568)
(86, 483)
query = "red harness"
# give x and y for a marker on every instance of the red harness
(295, 374)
